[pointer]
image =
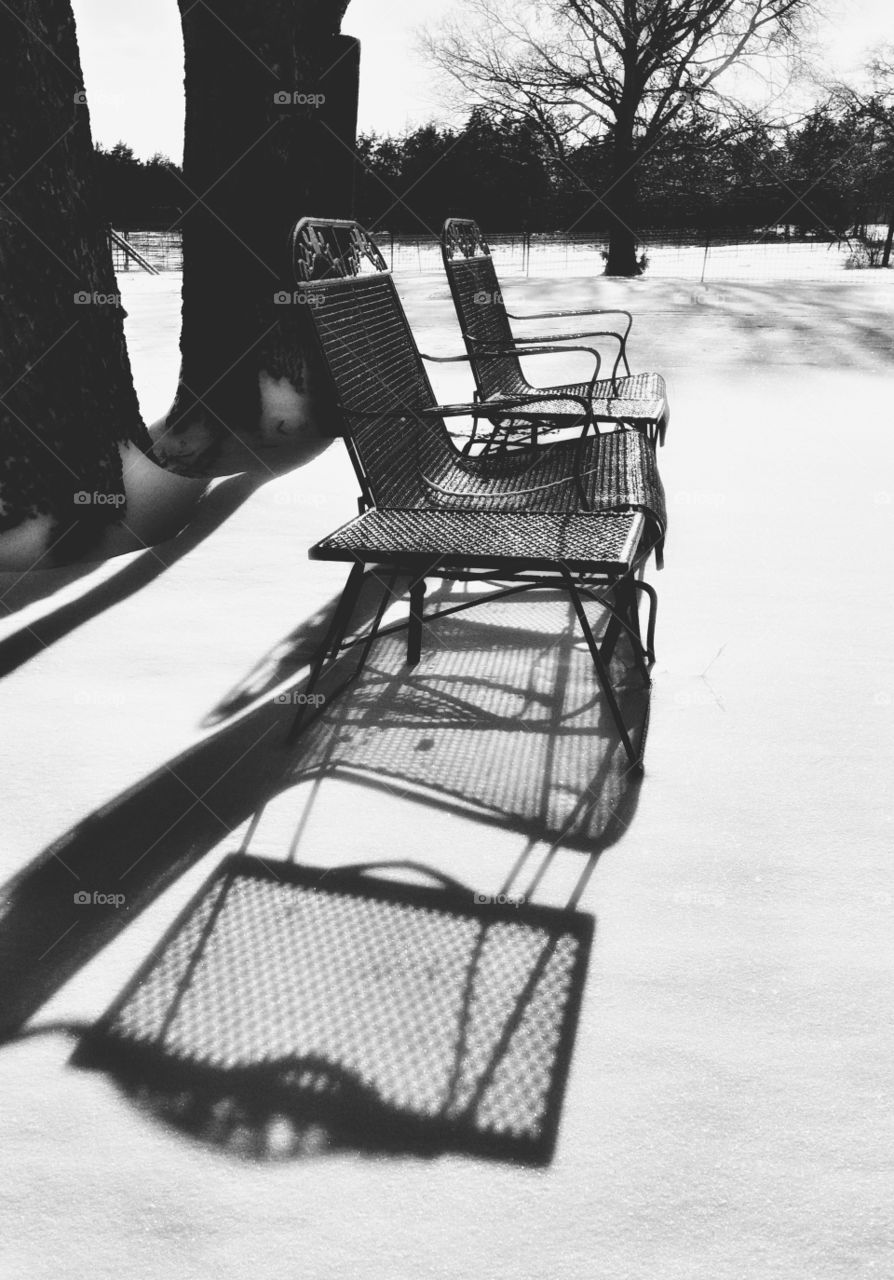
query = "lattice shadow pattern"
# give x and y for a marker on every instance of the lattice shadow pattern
(501, 720)
(291, 1010)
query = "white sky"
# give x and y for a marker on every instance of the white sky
(132, 58)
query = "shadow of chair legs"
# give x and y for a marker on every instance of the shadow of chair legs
(502, 719)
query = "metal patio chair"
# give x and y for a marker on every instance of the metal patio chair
(635, 400)
(584, 514)
(396, 431)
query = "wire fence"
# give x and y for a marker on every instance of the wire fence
(161, 249)
(727, 254)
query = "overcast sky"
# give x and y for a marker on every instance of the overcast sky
(132, 58)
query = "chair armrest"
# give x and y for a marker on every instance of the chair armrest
(509, 406)
(550, 349)
(559, 315)
(562, 337)
(521, 349)
(621, 337)
(588, 333)
(444, 359)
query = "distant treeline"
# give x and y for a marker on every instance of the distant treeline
(139, 193)
(829, 174)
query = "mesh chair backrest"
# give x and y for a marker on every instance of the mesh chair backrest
(376, 370)
(479, 307)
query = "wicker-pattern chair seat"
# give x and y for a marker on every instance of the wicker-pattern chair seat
(411, 465)
(639, 398)
(599, 545)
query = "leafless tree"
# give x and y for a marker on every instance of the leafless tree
(874, 103)
(621, 69)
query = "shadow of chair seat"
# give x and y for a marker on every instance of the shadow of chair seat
(292, 1011)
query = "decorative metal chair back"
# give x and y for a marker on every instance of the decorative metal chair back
(325, 248)
(373, 362)
(479, 306)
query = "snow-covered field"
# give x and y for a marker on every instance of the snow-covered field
(728, 1113)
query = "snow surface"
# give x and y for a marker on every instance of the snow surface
(729, 1109)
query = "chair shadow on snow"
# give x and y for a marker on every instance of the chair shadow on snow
(293, 1010)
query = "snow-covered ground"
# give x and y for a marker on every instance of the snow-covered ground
(728, 1113)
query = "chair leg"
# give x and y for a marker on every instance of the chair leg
(653, 610)
(612, 634)
(414, 632)
(662, 426)
(331, 642)
(601, 672)
(623, 616)
(627, 600)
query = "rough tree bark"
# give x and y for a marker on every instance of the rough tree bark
(67, 400)
(271, 103)
(621, 198)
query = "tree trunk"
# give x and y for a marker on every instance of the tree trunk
(271, 103)
(889, 240)
(68, 402)
(621, 201)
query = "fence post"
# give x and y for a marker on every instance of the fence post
(391, 234)
(705, 259)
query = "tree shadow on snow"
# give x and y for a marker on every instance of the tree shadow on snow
(29, 641)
